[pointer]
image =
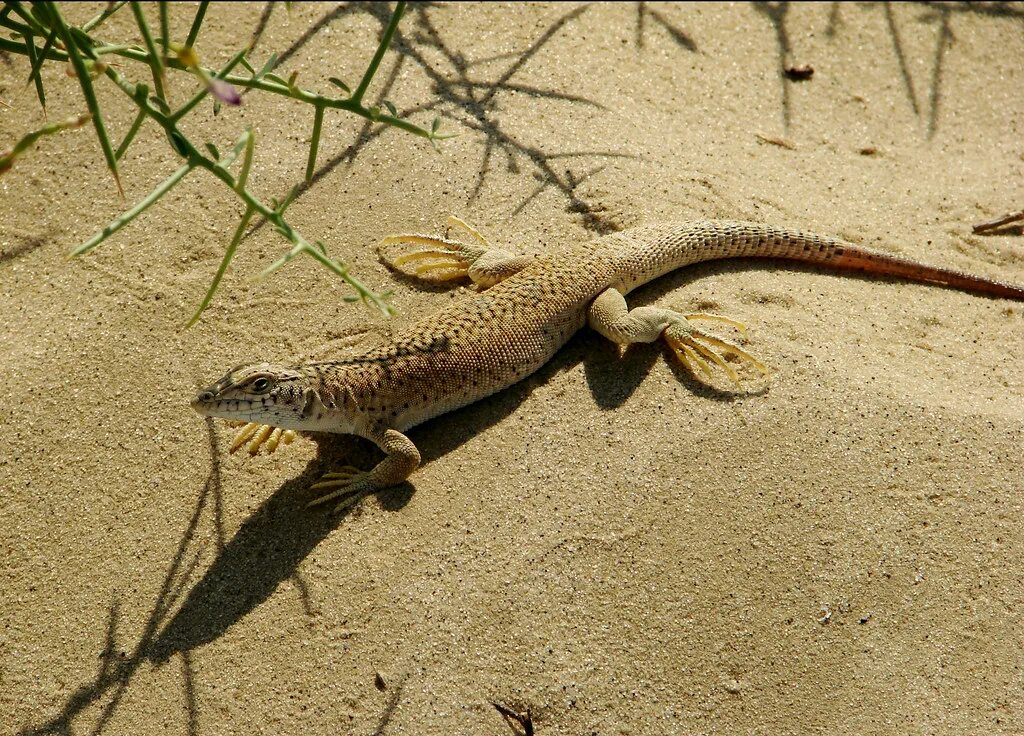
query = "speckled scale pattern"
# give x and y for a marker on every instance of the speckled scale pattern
(487, 341)
(643, 254)
(476, 346)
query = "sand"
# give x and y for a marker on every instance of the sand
(611, 545)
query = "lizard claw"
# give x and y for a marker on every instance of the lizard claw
(260, 436)
(693, 347)
(447, 260)
(348, 483)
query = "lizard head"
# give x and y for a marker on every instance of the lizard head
(266, 393)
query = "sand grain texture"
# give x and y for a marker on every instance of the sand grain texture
(608, 543)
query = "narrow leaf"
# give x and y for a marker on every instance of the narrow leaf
(391, 108)
(107, 12)
(250, 147)
(292, 194)
(271, 63)
(34, 74)
(314, 143)
(338, 83)
(178, 142)
(87, 91)
(136, 124)
(228, 255)
(165, 186)
(37, 62)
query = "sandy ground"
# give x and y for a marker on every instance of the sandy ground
(609, 544)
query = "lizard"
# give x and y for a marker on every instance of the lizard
(525, 308)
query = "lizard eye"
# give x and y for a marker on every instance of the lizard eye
(260, 385)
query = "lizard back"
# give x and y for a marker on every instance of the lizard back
(476, 346)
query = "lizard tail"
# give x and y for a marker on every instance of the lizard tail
(646, 253)
(867, 261)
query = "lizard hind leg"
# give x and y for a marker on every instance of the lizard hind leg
(441, 260)
(696, 349)
(445, 259)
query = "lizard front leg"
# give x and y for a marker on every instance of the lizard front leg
(351, 484)
(609, 315)
(256, 436)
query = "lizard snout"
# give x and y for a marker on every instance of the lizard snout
(204, 397)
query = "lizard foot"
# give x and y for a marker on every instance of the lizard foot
(259, 436)
(348, 483)
(694, 347)
(447, 259)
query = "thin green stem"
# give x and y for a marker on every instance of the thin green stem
(314, 144)
(87, 90)
(33, 76)
(78, 45)
(197, 23)
(107, 12)
(382, 47)
(265, 85)
(229, 254)
(165, 186)
(155, 60)
(136, 124)
(165, 37)
(28, 140)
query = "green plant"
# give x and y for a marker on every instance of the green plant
(88, 59)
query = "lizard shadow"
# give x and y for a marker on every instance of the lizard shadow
(265, 551)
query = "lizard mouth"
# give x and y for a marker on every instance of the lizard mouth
(207, 403)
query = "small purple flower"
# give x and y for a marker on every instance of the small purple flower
(223, 91)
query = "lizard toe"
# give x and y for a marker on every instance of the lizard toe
(699, 350)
